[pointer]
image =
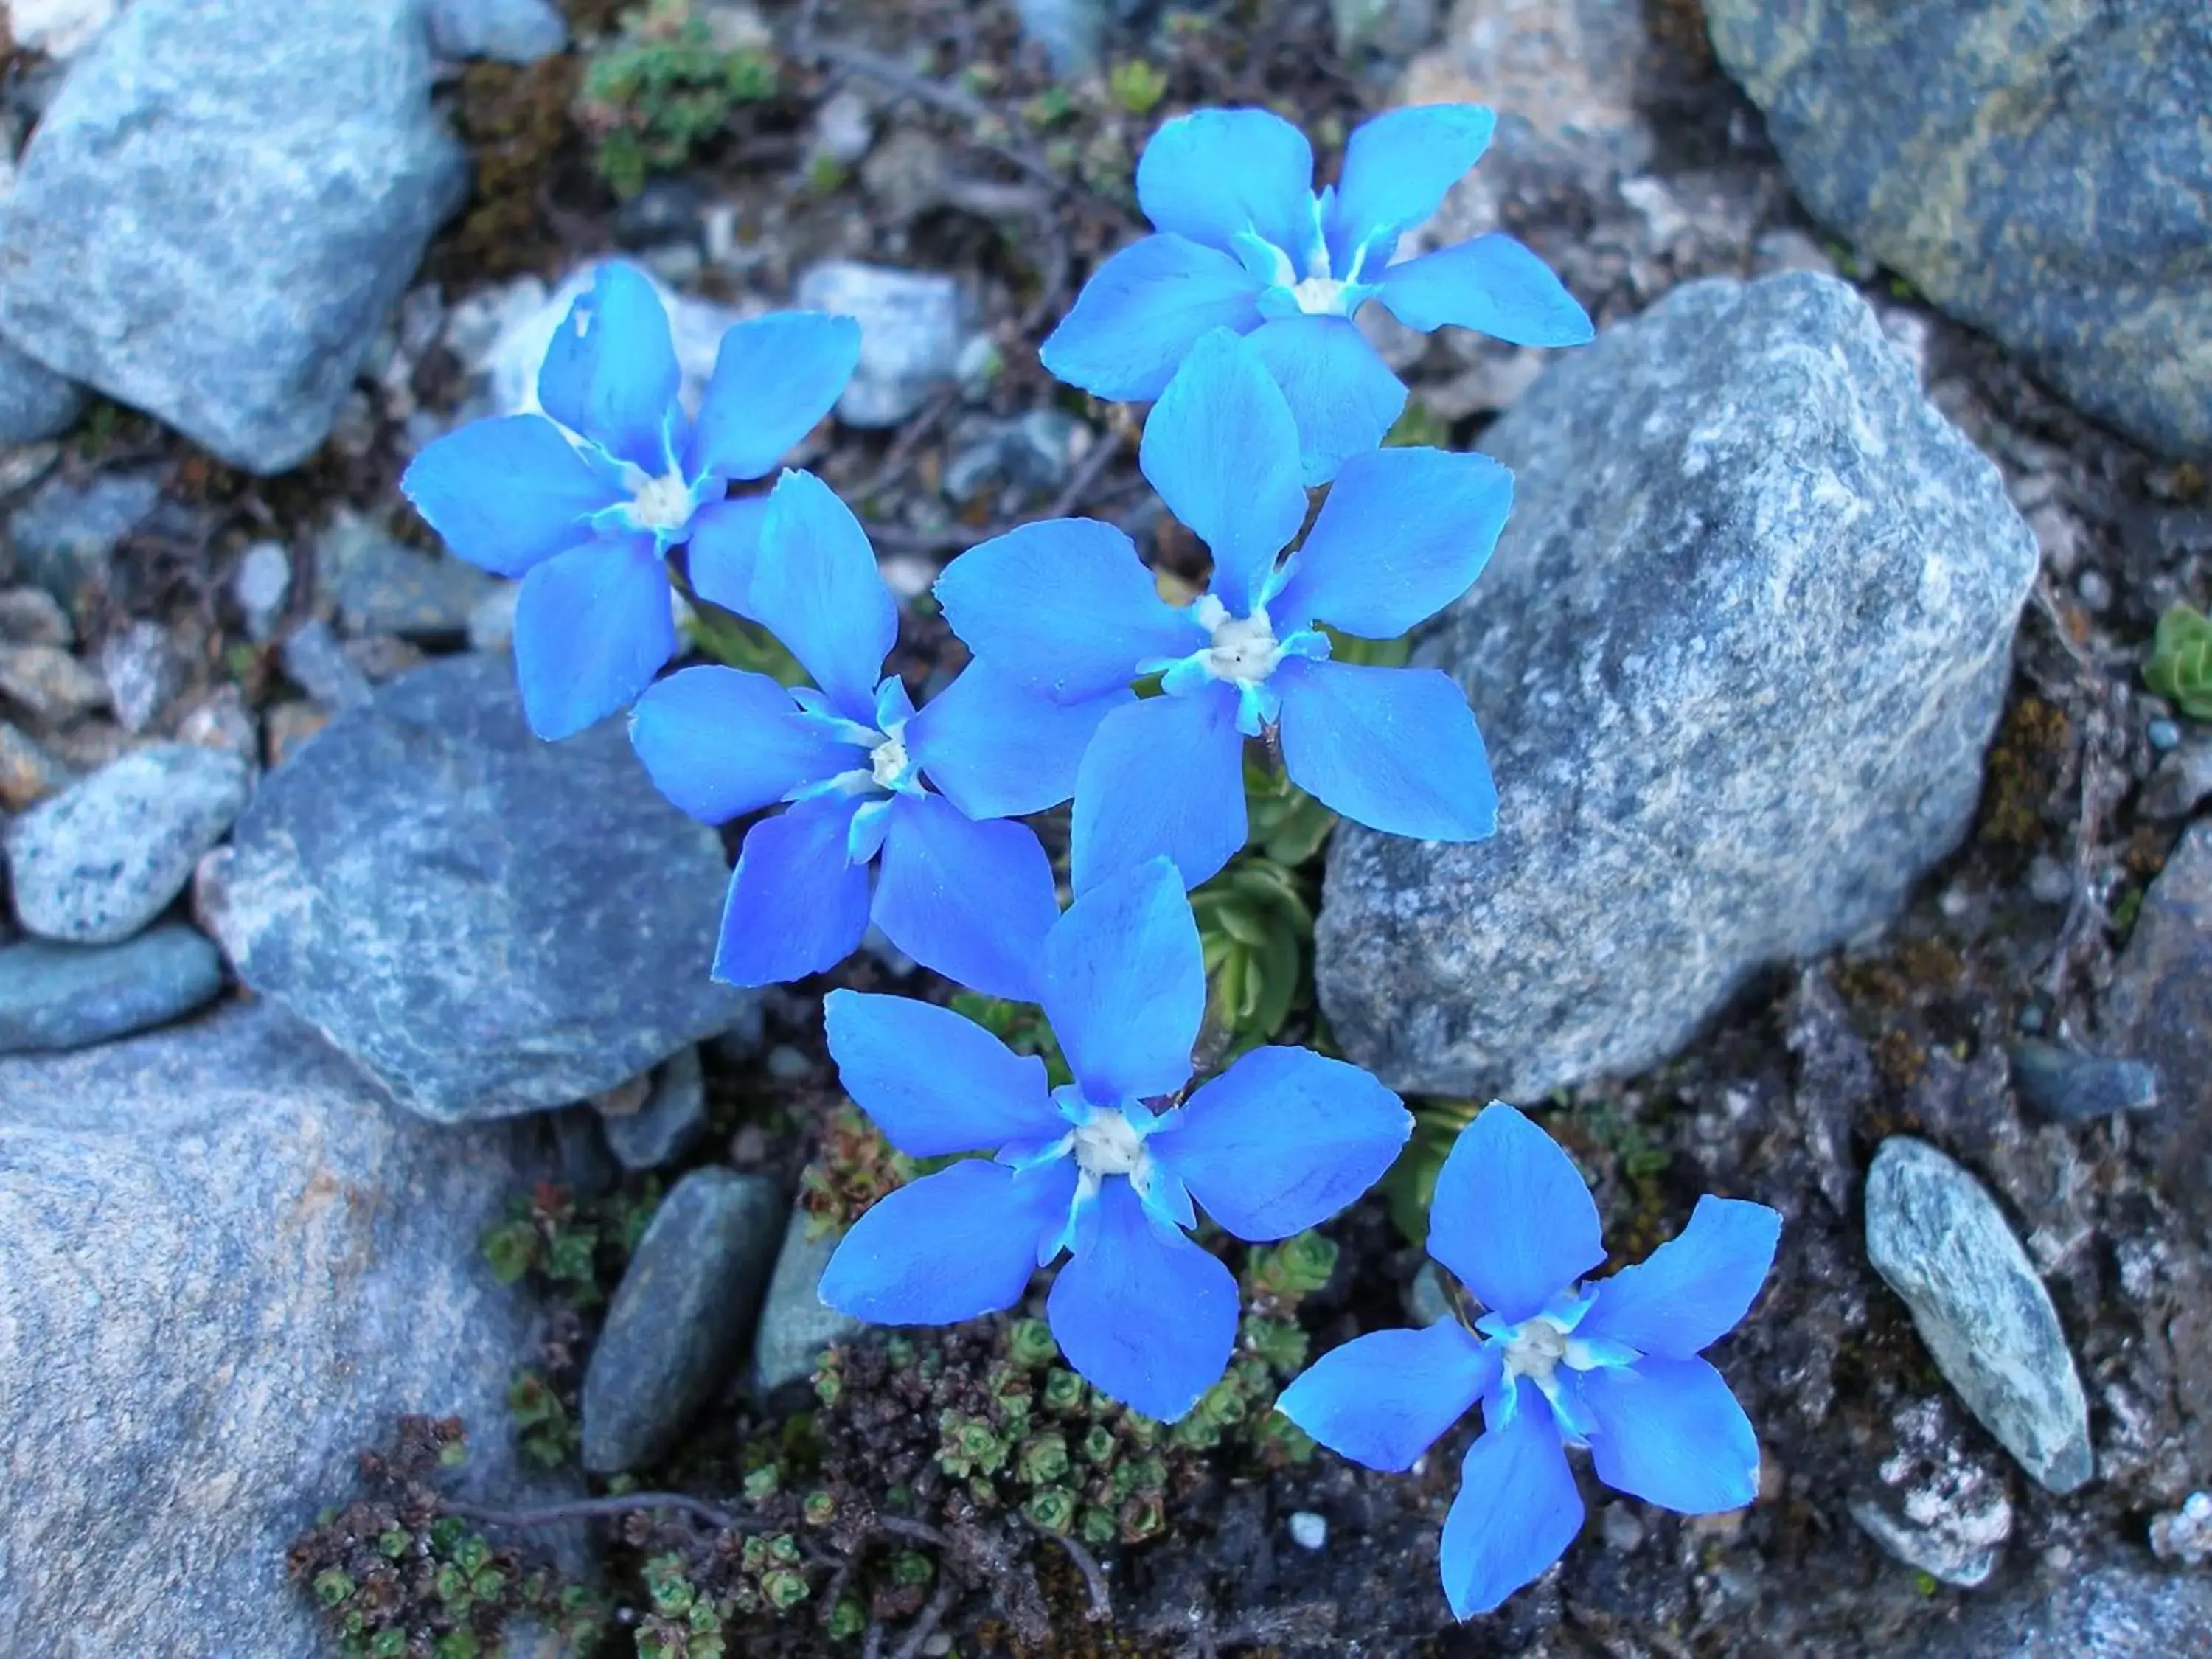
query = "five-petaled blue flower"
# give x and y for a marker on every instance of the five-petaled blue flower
(972, 900)
(1244, 243)
(1105, 1167)
(1065, 608)
(586, 515)
(1614, 1366)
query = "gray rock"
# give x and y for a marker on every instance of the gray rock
(679, 1316)
(101, 860)
(382, 587)
(491, 618)
(65, 534)
(2184, 1535)
(263, 586)
(911, 326)
(2037, 170)
(2112, 1610)
(28, 773)
(2078, 1087)
(35, 403)
(1033, 452)
(31, 616)
(1939, 1508)
(795, 1323)
(1937, 1236)
(220, 207)
(141, 672)
(488, 923)
(1070, 31)
(2159, 1009)
(1426, 1301)
(65, 996)
(587, 1167)
(505, 31)
(1736, 659)
(2182, 779)
(1392, 28)
(670, 1121)
(49, 682)
(225, 1267)
(315, 662)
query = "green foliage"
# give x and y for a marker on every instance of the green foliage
(546, 1430)
(1255, 926)
(853, 1167)
(1420, 426)
(729, 639)
(2180, 665)
(689, 1620)
(1287, 826)
(1138, 86)
(1020, 1025)
(576, 1248)
(1411, 1183)
(663, 90)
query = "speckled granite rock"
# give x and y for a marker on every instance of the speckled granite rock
(2037, 168)
(1736, 659)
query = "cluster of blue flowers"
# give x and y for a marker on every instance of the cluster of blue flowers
(1236, 319)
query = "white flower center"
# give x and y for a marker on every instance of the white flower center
(662, 503)
(1244, 648)
(1536, 1352)
(888, 764)
(1108, 1145)
(1321, 296)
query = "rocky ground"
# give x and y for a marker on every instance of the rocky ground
(357, 1055)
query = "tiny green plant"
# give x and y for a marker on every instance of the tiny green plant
(2180, 665)
(664, 90)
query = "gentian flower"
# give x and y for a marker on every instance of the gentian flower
(1106, 1167)
(1066, 610)
(971, 900)
(1244, 243)
(1613, 1366)
(586, 510)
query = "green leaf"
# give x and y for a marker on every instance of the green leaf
(2180, 665)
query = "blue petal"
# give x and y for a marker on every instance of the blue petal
(816, 587)
(1343, 397)
(1142, 1313)
(1668, 1431)
(1511, 1217)
(934, 1082)
(1282, 1140)
(1694, 1288)
(1382, 1400)
(798, 904)
(1397, 168)
(1065, 606)
(1140, 314)
(724, 551)
(774, 377)
(1213, 172)
(972, 901)
(1516, 1511)
(1163, 778)
(1403, 533)
(507, 493)
(998, 749)
(1492, 284)
(955, 1245)
(1125, 986)
(1222, 449)
(721, 744)
(611, 373)
(592, 627)
(1394, 749)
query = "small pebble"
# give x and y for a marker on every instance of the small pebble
(669, 1120)
(1308, 1531)
(1623, 1528)
(2049, 882)
(587, 1168)
(262, 586)
(141, 672)
(788, 1064)
(28, 773)
(222, 721)
(2185, 1535)
(2094, 589)
(67, 996)
(49, 683)
(316, 663)
(2163, 734)
(842, 131)
(2078, 1087)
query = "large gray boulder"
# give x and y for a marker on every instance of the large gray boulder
(1736, 659)
(2118, 1609)
(219, 207)
(226, 1267)
(488, 923)
(2036, 167)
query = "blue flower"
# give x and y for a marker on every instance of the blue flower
(1244, 243)
(1613, 1366)
(584, 511)
(972, 900)
(1065, 611)
(1106, 1167)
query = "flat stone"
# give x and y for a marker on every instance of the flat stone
(505, 31)
(48, 681)
(911, 332)
(98, 861)
(35, 403)
(220, 206)
(1736, 659)
(489, 924)
(669, 1123)
(2159, 1010)
(141, 672)
(2102, 1609)
(383, 586)
(795, 1324)
(679, 1317)
(1935, 1235)
(226, 1268)
(31, 616)
(65, 996)
(317, 663)
(65, 534)
(2035, 167)
(2078, 1087)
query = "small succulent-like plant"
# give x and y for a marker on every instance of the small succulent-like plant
(2180, 665)
(665, 89)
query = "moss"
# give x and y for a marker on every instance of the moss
(2022, 771)
(521, 142)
